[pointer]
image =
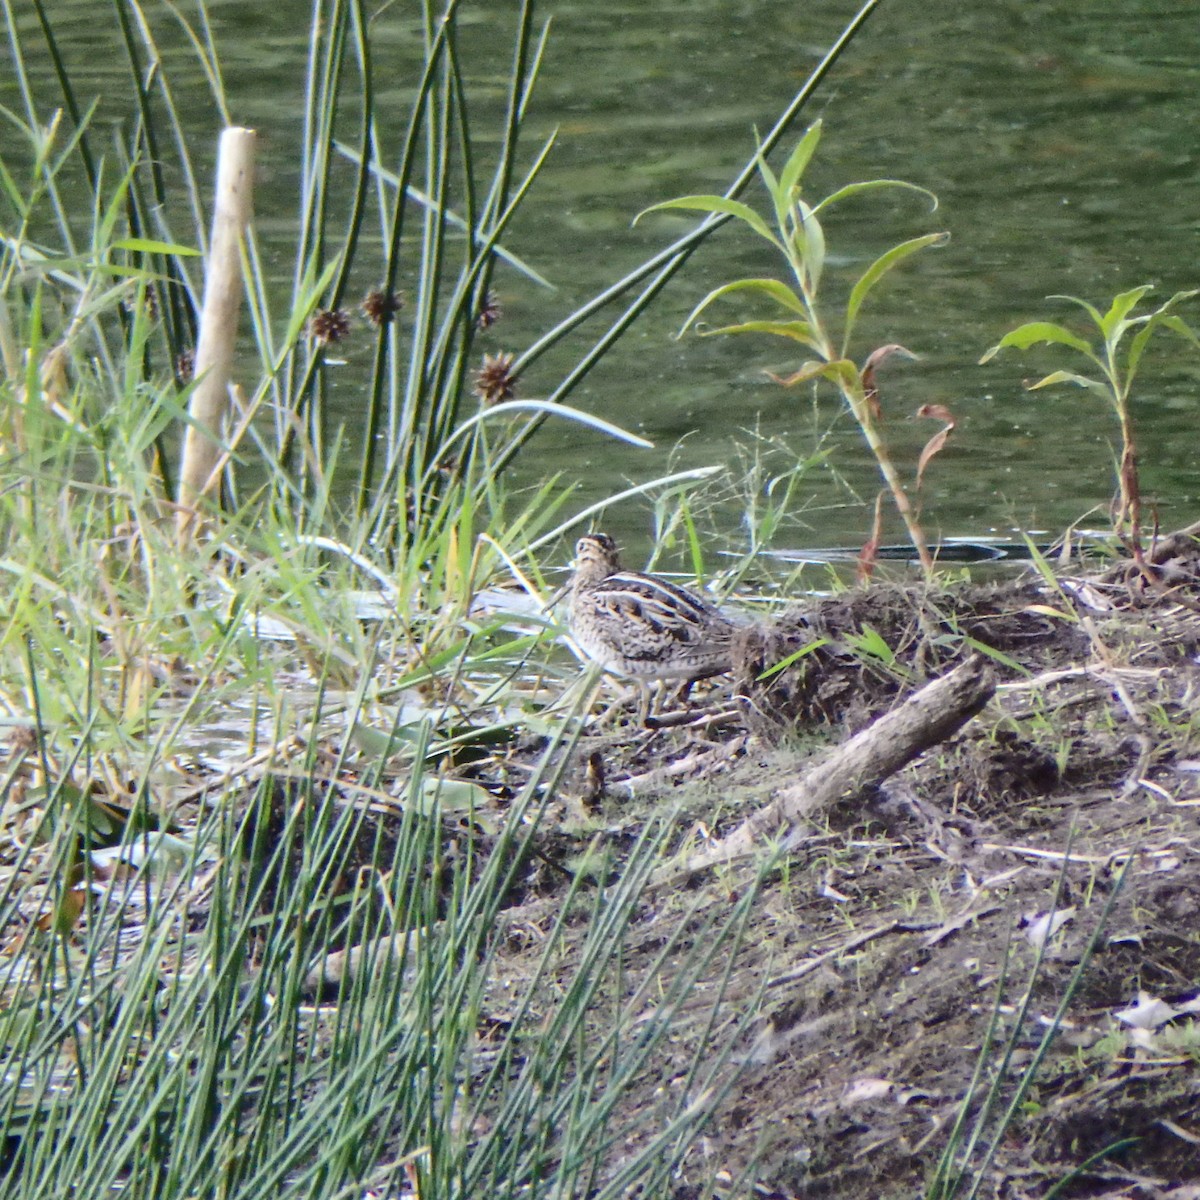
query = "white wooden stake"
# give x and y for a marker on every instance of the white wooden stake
(232, 209)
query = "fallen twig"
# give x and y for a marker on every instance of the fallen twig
(925, 719)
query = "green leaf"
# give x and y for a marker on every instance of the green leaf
(870, 185)
(770, 182)
(794, 168)
(783, 664)
(845, 374)
(1178, 325)
(102, 232)
(869, 642)
(1120, 308)
(840, 371)
(779, 198)
(998, 655)
(716, 204)
(152, 246)
(880, 267)
(154, 420)
(437, 796)
(1167, 320)
(798, 331)
(1090, 309)
(9, 186)
(1046, 571)
(772, 288)
(1178, 298)
(811, 239)
(1181, 327)
(1082, 381)
(379, 744)
(1033, 333)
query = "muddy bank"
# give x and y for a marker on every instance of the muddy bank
(889, 957)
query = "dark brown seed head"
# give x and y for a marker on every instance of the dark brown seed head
(380, 307)
(494, 381)
(185, 366)
(329, 326)
(489, 312)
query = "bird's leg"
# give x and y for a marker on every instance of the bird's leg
(646, 705)
(678, 703)
(611, 711)
(637, 695)
(682, 711)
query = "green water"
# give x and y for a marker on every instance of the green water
(1060, 137)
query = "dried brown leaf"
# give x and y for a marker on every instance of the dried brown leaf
(866, 556)
(874, 360)
(937, 443)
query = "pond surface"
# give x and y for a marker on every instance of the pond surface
(1059, 137)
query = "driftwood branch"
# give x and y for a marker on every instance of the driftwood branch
(927, 718)
(1181, 541)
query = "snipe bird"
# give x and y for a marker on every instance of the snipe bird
(641, 626)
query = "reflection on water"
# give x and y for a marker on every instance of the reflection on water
(1058, 136)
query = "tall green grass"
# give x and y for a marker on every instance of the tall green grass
(101, 255)
(156, 1028)
(174, 1047)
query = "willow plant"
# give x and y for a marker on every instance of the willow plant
(1116, 357)
(793, 227)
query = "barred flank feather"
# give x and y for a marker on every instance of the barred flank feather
(642, 626)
